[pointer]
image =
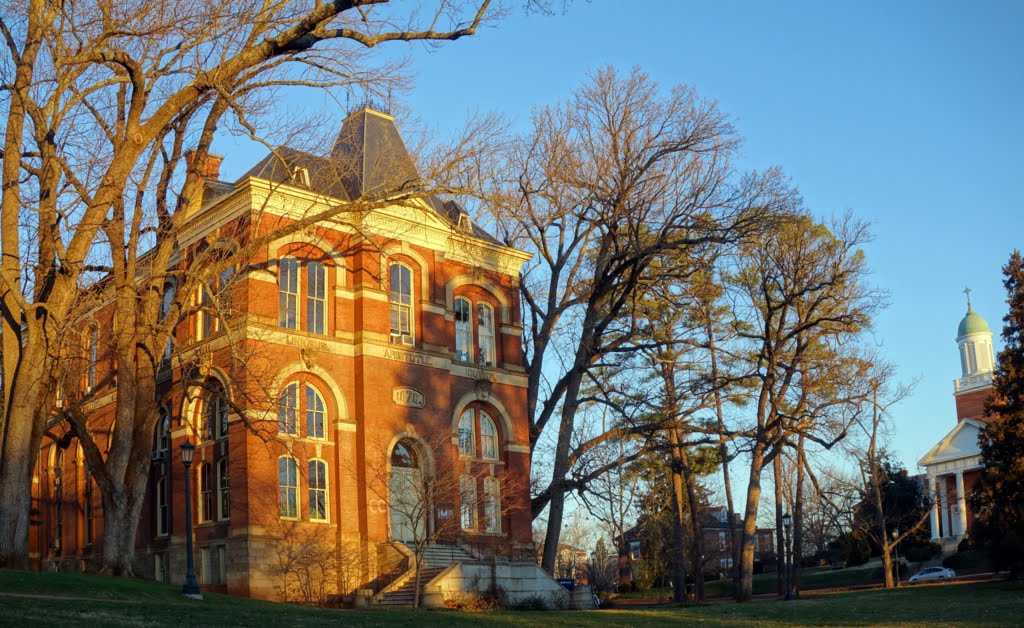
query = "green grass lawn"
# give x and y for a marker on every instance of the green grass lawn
(66, 599)
(809, 578)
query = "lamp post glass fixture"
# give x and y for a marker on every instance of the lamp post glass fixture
(787, 523)
(191, 587)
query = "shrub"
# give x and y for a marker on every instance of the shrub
(921, 553)
(530, 603)
(853, 549)
(472, 602)
(964, 560)
(965, 545)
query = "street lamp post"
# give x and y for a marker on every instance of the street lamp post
(896, 549)
(787, 523)
(191, 587)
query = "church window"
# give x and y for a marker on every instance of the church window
(315, 413)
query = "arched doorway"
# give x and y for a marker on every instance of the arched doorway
(407, 495)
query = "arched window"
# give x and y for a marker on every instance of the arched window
(205, 494)
(316, 297)
(492, 504)
(166, 301)
(315, 413)
(93, 357)
(400, 297)
(467, 492)
(467, 444)
(404, 456)
(162, 435)
(317, 490)
(488, 438)
(485, 333)
(215, 415)
(463, 331)
(287, 408)
(288, 293)
(288, 488)
(223, 492)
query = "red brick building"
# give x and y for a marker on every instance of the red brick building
(345, 362)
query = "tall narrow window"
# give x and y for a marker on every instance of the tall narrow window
(463, 331)
(205, 493)
(466, 444)
(972, 359)
(161, 506)
(288, 293)
(467, 492)
(207, 313)
(317, 490)
(492, 504)
(488, 438)
(162, 436)
(287, 408)
(166, 301)
(400, 297)
(316, 297)
(223, 492)
(485, 333)
(314, 413)
(288, 487)
(215, 416)
(94, 348)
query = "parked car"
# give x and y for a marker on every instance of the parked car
(933, 573)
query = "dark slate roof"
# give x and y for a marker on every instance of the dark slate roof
(368, 158)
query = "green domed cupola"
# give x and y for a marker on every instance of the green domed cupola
(972, 323)
(974, 339)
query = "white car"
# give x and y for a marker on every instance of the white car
(933, 573)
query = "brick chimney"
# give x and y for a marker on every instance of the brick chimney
(209, 169)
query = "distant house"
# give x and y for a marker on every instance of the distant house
(718, 549)
(717, 546)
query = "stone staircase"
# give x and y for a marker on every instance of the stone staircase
(435, 559)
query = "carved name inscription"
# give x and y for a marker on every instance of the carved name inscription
(409, 397)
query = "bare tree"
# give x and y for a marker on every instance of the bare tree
(800, 290)
(597, 190)
(102, 99)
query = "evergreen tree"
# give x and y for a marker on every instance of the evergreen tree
(999, 497)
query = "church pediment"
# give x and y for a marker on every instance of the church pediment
(961, 442)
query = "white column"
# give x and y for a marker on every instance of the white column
(933, 482)
(961, 503)
(944, 505)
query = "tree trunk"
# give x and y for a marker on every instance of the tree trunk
(780, 532)
(744, 592)
(696, 529)
(723, 450)
(678, 526)
(22, 437)
(798, 518)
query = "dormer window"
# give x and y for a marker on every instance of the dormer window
(300, 176)
(465, 224)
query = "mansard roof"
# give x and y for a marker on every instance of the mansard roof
(368, 159)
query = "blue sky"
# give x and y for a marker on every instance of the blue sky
(909, 114)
